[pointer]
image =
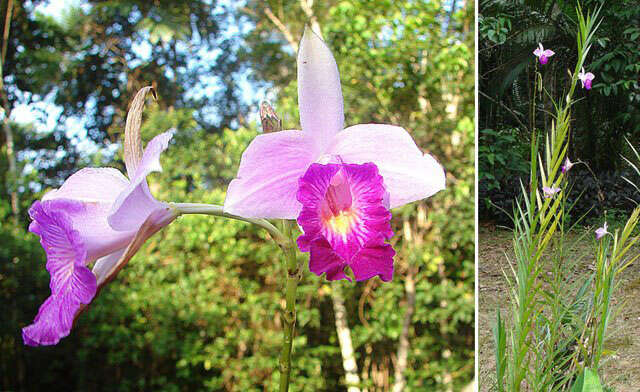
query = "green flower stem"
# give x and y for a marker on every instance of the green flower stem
(216, 210)
(283, 239)
(293, 277)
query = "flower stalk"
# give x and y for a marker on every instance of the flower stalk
(293, 278)
(283, 239)
(216, 210)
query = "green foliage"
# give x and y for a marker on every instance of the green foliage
(494, 29)
(500, 339)
(603, 115)
(504, 156)
(588, 381)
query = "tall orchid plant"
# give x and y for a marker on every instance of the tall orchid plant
(553, 339)
(337, 184)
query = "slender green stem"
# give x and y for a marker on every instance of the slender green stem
(216, 210)
(283, 238)
(293, 277)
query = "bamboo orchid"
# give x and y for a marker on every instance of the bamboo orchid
(543, 54)
(97, 216)
(601, 231)
(548, 192)
(586, 79)
(338, 183)
(567, 165)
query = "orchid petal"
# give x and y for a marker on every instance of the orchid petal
(408, 174)
(135, 203)
(267, 180)
(375, 258)
(86, 198)
(319, 91)
(91, 185)
(72, 284)
(89, 219)
(104, 265)
(548, 53)
(109, 267)
(52, 323)
(324, 259)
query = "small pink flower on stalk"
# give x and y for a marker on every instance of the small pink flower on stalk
(543, 54)
(566, 166)
(97, 216)
(338, 183)
(601, 231)
(586, 79)
(549, 192)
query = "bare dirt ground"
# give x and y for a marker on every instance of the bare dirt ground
(621, 371)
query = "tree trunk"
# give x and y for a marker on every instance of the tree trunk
(12, 178)
(400, 380)
(344, 337)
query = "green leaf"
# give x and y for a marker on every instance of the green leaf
(588, 381)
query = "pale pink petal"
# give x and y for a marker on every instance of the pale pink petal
(267, 179)
(105, 264)
(548, 53)
(539, 50)
(91, 185)
(589, 76)
(408, 174)
(135, 203)
(108, 268)
(89, 219)
(319, 91)
(87, 197)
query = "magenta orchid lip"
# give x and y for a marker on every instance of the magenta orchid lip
(345, 221)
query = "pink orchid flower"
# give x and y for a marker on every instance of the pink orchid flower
(567, 165)
(97, 216)
(549, 191)
(586, 79)
(338, 183)
(601, 231)
(542, 54)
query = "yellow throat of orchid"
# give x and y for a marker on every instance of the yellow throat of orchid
(343, 222)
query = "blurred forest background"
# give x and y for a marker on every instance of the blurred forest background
(199, 307)
(508, 32)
